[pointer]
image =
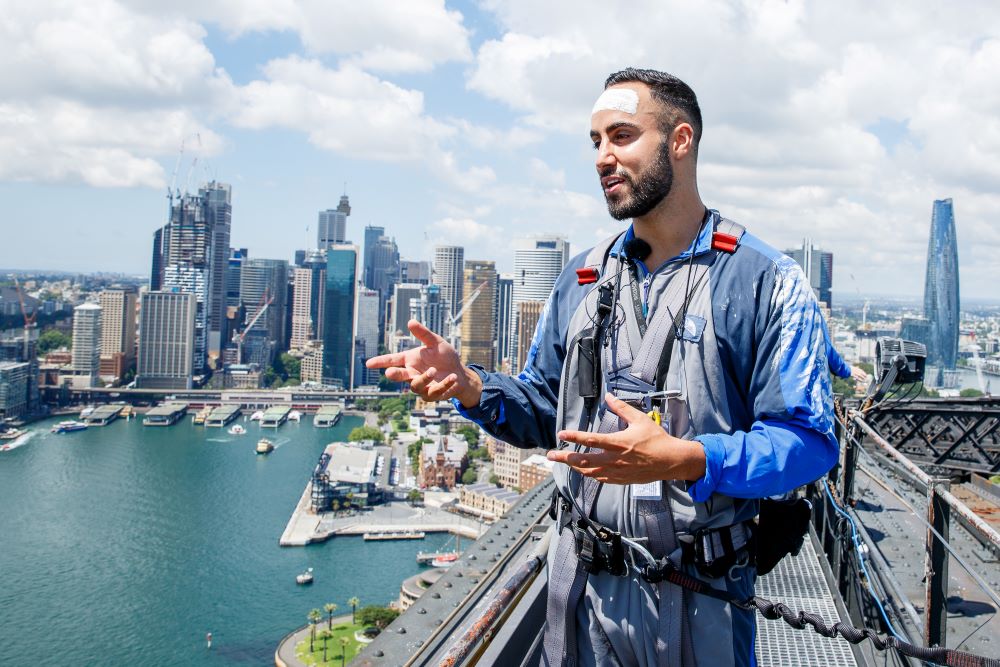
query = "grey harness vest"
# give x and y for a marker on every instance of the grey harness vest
(629, 371)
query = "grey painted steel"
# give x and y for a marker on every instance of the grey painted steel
(936, 568)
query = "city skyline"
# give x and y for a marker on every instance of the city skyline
(827, 126)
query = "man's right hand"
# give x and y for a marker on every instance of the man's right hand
(434, 370)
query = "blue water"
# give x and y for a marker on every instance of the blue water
(126, 544)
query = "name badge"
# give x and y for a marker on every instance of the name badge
(647, 491)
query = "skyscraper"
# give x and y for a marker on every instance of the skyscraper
(818, 267)
(118, 312)
(399, 311)
(504, 313)
(941, 295)
(367, 334)
(339, 315)
(529, 312)
(264, 280)
(479, 320)
(415, 272)
(166, 340)
(87, 343)
(381, 265)
(449, 273)
(538, 261)
(430, 309)
(191, 255)
(307, 307)
(333, 224)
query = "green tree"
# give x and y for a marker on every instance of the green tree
(314, 617)
(365, 433)
(471, 435)
(469, 476)
(970, 393)
(354, 602)
(414, 496)
(494, 479)
(292, 366)
(53, 339)
(325, 636)
(344, 641)
(329, 608)
(377, 616)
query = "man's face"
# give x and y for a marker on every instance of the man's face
(633, 156)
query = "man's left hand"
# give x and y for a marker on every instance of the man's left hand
(643, 452)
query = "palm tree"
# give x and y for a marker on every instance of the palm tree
(329, 608)
(314, 617)
(344, 641)
(324, 635)
(355, 603)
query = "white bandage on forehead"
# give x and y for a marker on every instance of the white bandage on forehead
(617, 99)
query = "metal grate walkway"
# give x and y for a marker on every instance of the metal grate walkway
(799, 583)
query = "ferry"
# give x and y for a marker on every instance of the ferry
(257, 416)
(127, 412)
(294, 416)
(87, 411)
(68, 427)
(265, 446)
(202, 416)
(236, 429)
(12, 434)
(394, 535)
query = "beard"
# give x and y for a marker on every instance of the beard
(647, 190)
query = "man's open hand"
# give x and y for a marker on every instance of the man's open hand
(643, 452)
(434, 370)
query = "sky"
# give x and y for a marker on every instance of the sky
(467, 123)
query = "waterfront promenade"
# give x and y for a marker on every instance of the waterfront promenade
(285, 656)
(304, 527)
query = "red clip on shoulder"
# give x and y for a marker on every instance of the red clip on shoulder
(586, 275)
(724, 242)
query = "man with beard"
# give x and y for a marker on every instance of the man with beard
(678, 373)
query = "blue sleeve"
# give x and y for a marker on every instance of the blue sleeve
(521, 410)
(838, 366)
(791, 441)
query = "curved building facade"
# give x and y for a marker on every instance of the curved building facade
(941, 305)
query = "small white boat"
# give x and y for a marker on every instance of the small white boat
(12, 434)
(257, 416)
(445, 560)
(236, 429)
(265, 446)
(87, 411)
(305, 578)
(294, 416)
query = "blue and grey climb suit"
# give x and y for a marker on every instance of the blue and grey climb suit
(749, 380)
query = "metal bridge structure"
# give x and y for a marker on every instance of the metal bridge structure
(892, 548)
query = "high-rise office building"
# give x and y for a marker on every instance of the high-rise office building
(307, 308)
(191, 255)
(430, 308)
(538, 261)
(87, 343)
(381, 265)
(398, 313)
(372, 235)
(479, 319)
(449, 273)
(941, 294)
(339, 315)
(118, 314)
(529, 312)
(367, 334)
(263, 281)
(818, 266)
(505, 312)
(234, 272)
(333, 225)
(415, 272)
(166, 340)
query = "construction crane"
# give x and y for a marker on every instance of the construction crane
(454, 334)
(29, 319)
(265, 301)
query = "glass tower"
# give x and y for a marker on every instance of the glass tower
(941, 287)
(339, 315)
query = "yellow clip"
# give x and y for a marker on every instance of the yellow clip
(655, 416)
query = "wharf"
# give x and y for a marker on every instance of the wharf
(327, 416)
(103, 415)
(222, 415)
(166, 414)
(275, 416)
(380, 535)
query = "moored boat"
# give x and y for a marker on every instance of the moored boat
(294, 416)
(257, 416)
(237, 429)
(445, 560)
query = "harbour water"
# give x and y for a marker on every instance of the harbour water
(126, 545)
